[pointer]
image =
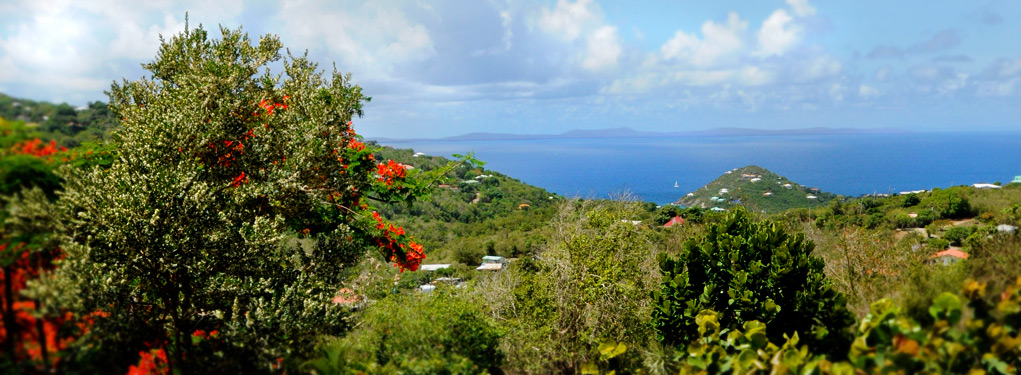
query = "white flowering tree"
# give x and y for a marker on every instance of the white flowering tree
(236, 202)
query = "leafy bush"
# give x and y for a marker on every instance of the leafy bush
(886, 342)
(910, 200)
(748, 270)
(948, 203)
(437, 333)
(956, 235)
(592, 283)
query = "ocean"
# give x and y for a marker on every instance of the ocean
(648, 168)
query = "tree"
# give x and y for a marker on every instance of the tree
(948, 203)
(748, 270)
(236, 201)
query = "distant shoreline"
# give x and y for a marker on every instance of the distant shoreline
(631, 133)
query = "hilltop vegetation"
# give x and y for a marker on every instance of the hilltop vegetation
(758, 190)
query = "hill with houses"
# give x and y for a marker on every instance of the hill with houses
(757, 189)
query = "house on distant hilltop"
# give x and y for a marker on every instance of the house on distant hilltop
(948, 256)
(1017, 180)
(810, 196)
(986, 186)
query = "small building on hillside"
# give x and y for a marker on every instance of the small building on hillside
(677, 220)
(948, 256)
(985, 186)
(1004, 228)
(1017, 180)
(810, 196)
(524, 206)
(432, 267)
(492, 263)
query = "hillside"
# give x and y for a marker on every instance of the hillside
(475, 212)
(756, 188)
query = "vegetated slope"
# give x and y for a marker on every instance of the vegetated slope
(756, 188)
(476, 212)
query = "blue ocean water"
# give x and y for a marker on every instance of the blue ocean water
(851, 165)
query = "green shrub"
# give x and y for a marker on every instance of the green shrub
(956, 235)
(436, 333)
(748, 270)
(910, 200)
(948, 203)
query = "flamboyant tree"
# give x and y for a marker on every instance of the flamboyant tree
(236, 201)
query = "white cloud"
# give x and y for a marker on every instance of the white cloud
(721, 41)
(603, 49)
(837, 92)
(373, 39)
(953, 84)
(778, 34)
(136, 43)
(801, 7)
(868, 92)
(818, 68)
(882, 74)
(567, 20)
(1004, 88)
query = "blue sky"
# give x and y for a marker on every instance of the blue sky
(441, 68)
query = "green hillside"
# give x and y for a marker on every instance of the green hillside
(756, 188)
(473, 212)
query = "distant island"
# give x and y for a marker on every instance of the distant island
(631, 133)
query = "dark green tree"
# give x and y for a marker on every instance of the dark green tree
(236, 201)
(751, 270)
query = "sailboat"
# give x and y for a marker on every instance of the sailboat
(675, 184)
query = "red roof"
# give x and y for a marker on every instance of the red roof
(677, 220)
(951, 252)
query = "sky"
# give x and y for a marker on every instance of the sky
(443, 68)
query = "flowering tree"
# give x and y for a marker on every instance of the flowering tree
(235, 203)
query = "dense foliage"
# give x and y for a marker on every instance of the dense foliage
(235, 203)
(748, 270)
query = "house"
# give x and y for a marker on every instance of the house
(1004, 228)
(814, 190)
(767, 193)
(492, 263)
(1017, 180)
(677, 220)
(717, 209)
(524, 206)
(912, 192)
(985, 186)
(810, 196)
(948, 256)
(456, 282)
(756, 179)
(432, 267)
(724, 191)
(788, 186)
(417, 154)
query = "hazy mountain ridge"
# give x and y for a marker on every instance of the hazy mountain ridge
(632, 133)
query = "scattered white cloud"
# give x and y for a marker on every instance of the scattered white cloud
(819, 68)
(951, 85)
(603, 49)
(778, 34)
(719, 42)
(882, 74)
(568, 20)
(837, 92)
(801, 8)
(868, 92)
